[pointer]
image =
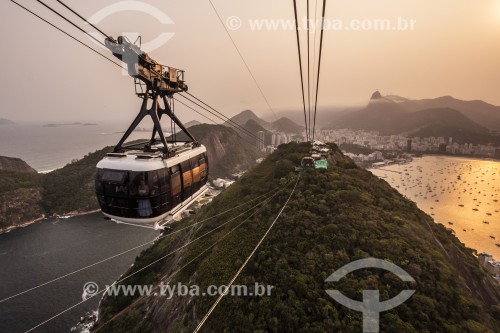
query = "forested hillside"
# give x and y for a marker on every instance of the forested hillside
(333, 218)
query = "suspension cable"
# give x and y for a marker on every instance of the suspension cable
(300, 67)
(107, 58)
(243, 59)
(224, 118)
(229, 120)
(314, 44)
(145, 267)
(132, 249)
(219, 240)
(228, 286)
(319, 64)
(69, 21)
(83, 18)
(67, 34)
(193, 109)
(308, 66)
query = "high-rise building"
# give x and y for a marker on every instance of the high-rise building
(273, 140)
(261, 140)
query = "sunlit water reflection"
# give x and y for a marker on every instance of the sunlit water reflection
(462, 194)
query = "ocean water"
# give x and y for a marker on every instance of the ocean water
(49, 148)
(462, 194)
(46, 250)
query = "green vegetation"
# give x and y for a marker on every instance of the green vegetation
(72, 187)
(25, 197)
(228, 153)
(11, 180)
(336, 216)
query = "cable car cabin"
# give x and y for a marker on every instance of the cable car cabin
(307, 163)
(139, 187)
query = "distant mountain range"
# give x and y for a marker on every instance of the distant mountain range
(192, 123)
(445, 116)
(282, 125)
(4, 121)
(252, 123)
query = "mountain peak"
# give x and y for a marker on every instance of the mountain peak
(376, 95)
(15, 164)
(244, 116)
(4, 121)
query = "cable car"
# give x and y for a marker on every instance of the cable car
(143, 187)
(307, 162)
(147, 182)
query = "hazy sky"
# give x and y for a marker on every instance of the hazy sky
(453, 50)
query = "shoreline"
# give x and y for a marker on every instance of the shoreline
(24, 225)
(468, 157)
(44, 217)
(472, 241)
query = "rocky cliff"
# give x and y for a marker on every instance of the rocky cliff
(14, 164)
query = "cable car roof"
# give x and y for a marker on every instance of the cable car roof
(133, 160)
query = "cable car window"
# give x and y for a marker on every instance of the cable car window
(154, 183)
(187, 178)
(164, 180)
(186, 173)
(115, 190)
(98, 184)
(196, 172)
(114, 176)
(139, 184)
(117, 202)
(99, 173)
(165, 202)
(185, 166)
(203, 168)
(175, 182)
